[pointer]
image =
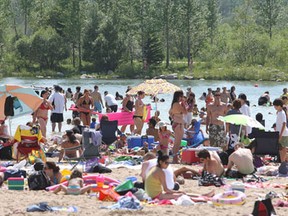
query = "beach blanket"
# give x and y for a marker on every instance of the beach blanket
(125, 203)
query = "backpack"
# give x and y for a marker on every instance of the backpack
(38, 181)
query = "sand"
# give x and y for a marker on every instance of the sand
(16, 202)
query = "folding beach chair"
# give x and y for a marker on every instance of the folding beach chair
(91, 149)
(109, 129)
(266, 143)
(79, 156)
(197, 138)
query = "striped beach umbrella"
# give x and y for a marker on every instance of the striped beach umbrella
(22, 100)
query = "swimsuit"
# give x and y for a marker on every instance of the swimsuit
(43, 107)
(135, 116)
(153, 186)
(129, 105)
(175, 124)
(74, 190)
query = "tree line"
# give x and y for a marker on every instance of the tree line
(145, 37)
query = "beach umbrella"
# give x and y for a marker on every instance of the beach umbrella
(242, 120)
(17, 101)
(154, 87)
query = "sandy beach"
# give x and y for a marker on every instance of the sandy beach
(16, 202)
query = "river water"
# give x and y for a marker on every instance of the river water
(198, 87)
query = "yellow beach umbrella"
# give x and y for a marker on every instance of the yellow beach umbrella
(154, 87)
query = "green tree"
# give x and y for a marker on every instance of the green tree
(268, 13)
(194, 23)
(212, 18)
(45, 48)
(153, 52)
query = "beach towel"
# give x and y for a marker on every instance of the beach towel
(40, 207)
(96, 137)
(126, 203)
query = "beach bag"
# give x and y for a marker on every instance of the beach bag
(38, 181)
(263, 208)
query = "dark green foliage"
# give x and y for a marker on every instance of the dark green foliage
(153, 52)
(145, 38)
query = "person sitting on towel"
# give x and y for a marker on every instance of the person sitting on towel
(242, 159)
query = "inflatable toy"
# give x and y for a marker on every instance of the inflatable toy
(88, 180)
(229, 198)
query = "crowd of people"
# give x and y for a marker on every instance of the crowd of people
(183, 114)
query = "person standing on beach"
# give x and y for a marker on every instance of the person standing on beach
(215, 127)
(58, 102)
(85, 104)
(283, 133)
(42, 112)
(232, 129)
(139, 112)
(110, 102)
(245, 110)
(177, 112)
(97, 99)
(127, 106)
(232, 94)
(224, 95)
(209, 97)
(75, 99)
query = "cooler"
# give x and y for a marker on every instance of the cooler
(138, 141)
(189, 156)
(16, 183)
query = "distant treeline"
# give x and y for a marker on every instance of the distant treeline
(220, 39)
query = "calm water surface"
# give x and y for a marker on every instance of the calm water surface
(198, 87)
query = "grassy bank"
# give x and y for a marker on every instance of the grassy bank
(199, 70)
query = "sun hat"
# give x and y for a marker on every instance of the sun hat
(161, 124)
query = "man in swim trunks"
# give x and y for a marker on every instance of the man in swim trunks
(97, 99)
(212, 162)
(215, 127)
(58, 101)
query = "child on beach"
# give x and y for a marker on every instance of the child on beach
(151, 130)
(156, 116)
(164, 138)
(190, 132)
(93, 123)
(283, 134)
(75, 185)
(195, 110)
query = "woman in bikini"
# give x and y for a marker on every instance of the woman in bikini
(85, 104)
(41, 114)
(138, 114)
(127, 106)
(177, 112)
